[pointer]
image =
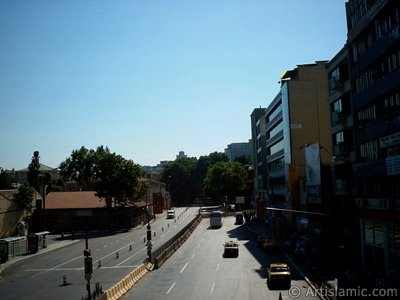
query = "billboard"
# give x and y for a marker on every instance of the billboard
(313, 172)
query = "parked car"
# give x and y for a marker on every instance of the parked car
(231, 248)
(170, 214)
(239, 218)
(268, 244)
(279, 273)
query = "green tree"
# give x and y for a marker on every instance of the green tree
(225, 179)
(203, 164)
(33, 171)
(117, 178)
(25, 196)
(80, 166)
(180, 176)
(5, 180)
(110, 175)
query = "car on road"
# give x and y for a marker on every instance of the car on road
(231, 248)
(279, 273)
(239, 218)
(170, 214)
(268, 244)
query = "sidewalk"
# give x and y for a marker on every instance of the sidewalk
(53, 242)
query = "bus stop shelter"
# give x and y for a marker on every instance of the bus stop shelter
(13, 246)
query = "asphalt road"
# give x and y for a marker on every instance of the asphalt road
(198, 270)
(42, 276)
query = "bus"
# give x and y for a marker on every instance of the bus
(216, 219)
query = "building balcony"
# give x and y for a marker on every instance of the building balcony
(377, 128)
(379, 88)
(372, 168)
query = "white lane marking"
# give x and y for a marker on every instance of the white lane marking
(131, 256)
(170, 289)
(193, 255)
(183, 269)
(212, 288)
(217, 268)
(79, 269)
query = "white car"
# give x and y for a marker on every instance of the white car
(170, 214)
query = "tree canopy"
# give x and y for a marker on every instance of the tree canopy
(25, 196)
(225, 179)
(110, 175)
(211, 175)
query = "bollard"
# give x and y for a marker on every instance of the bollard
(64, 280)
(144, 240)
(154, 233)
(116, 255)
(162, 228)
(130, 247)
(99, 264)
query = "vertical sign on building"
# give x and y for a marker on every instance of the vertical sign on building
(313, 170)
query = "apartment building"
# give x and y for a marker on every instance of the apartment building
(259, 156)
(236, 150)
(298, 120)
(346, 218)
(373, 43)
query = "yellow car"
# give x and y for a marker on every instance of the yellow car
(279, 273)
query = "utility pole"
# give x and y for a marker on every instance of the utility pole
(149, 245)
(88, 263)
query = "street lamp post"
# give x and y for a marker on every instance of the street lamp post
(149, 245)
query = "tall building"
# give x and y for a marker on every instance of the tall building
(373, 42)
(343, 150)
(296, 122)
(236, 150)
(181, 155)
(259, 161)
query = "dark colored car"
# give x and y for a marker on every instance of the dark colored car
(231, 248)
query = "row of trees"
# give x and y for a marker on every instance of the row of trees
(116, 178)
(211, 176)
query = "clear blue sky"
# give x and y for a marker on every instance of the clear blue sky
(148, 78)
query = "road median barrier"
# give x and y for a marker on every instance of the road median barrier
(167, 249)
(160, 256)
(119, 289)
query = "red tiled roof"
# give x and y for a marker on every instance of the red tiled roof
(64, 200)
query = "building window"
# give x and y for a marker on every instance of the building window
(337, 106)
(369, 150)
(275, 130)
(367, 114)
(339, 138)
(394, 236)
(374, 233)
(276, 147)
(277, 110)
